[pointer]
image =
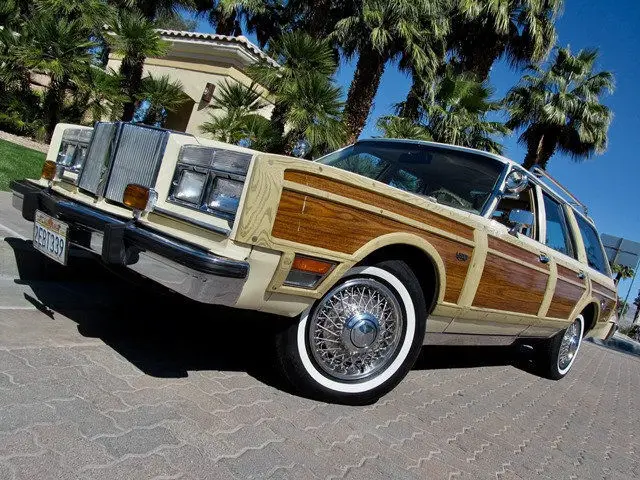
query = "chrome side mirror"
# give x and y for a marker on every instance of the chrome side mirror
(515, 183)
(518, 219)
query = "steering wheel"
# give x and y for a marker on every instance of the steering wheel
(446, 194)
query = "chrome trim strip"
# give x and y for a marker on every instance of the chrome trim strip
(184, 218)
(467, 339)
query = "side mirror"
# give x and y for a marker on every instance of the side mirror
(515, 183)
(519, 219)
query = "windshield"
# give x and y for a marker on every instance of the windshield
(459, 179)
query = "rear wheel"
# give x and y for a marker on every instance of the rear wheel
(557, 354)
(358, 341)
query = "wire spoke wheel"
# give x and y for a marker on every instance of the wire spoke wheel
(569, 345)
(355, 330)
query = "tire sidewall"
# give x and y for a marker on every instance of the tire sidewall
(412, 302)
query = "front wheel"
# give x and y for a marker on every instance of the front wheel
(360, 340)
(557, 354)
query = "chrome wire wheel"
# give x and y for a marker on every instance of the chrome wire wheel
(569, 345)
(355, 330)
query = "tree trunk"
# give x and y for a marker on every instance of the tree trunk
(229, 26)
(278, 121)
(539, 151)
(479, 49)
(411, 106)
(362, 91)
(52, 106)
(131, 70)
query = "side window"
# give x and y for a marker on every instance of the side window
(558, 236)
(592, 245)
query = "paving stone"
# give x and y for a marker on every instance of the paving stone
(138, 441)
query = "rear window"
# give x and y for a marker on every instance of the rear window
(595, 253)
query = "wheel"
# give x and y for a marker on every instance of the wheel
(358, 341)
(558, 353)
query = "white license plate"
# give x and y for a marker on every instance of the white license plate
(50, 237)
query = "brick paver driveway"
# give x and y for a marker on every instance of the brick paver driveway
(95, 383)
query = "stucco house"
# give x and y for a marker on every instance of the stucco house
(202, 62)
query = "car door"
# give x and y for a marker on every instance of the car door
(571, 282)
(513, 280)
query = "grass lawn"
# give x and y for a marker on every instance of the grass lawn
(17, 162)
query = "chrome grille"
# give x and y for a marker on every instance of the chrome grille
(137, 159)
(98, 156)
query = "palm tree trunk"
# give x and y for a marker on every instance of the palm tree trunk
(53, 101)
(131, 70)
(229, 26)
(539, 151)
(362, 91)
(411, 106)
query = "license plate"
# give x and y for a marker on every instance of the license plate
(50, 237)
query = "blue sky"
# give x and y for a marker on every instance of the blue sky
(610, 183)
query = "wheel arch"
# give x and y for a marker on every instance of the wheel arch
(591, 313)
(422, 257)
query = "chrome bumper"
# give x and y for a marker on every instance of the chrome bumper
(176, 264)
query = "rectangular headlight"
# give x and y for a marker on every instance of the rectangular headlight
(210, 179)
(225, 195)
(73, 148)
(190, 187)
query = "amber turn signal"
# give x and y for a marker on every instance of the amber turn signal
(311, 265)
(136, 196)
(49, 170)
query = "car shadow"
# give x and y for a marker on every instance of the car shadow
(167, 335)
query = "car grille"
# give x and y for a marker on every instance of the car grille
(121, 154)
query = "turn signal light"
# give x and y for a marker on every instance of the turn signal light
(49, 170)
(136, 197)
(311, 265)
(308, 272)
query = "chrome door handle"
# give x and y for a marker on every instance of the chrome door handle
(543, 258)
(581, 275)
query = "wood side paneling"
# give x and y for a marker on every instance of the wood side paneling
(508, 285)
(516, 252)
(330, 225)
(569, 274)
(371, 198)
(565, 298)
(606, 304)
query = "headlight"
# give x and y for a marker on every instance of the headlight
(73, 149)
(190, 187)
(210, 179)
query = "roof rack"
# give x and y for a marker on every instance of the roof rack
(544, 176)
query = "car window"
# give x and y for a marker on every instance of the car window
(459, 179)
(558, 236)
(595, 253)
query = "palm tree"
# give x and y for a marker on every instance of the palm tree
(298, 56)
(392, 126)
(314, 114)
(237, 105)
(134, 38)
(454, 112)
(521, 30)
(622, 272)
(59, 48)
(162, 96)
(377, 32)
(558, 108)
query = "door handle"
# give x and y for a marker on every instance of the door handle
(543, 258)
(581, 275)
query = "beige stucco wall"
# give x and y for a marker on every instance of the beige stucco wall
(194, 76)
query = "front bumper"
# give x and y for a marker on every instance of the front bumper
(183, 267)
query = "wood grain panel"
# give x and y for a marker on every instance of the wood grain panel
(606, 305)
(569, 274)
(326, 224)
(374, 199)
(565, 298)
(508, 285)
(516, 252)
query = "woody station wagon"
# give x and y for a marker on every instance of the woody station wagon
(372, 251)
